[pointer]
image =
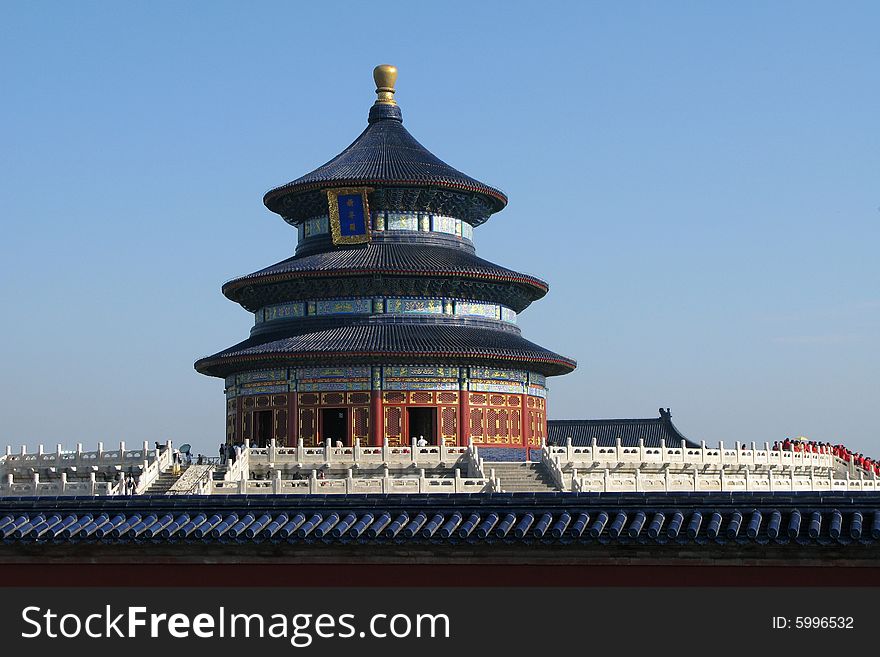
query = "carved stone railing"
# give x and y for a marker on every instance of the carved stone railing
(58, 487)
(620, 456)
(152, 469)
(475, 465)
(59, 472)
(719, 481)
(350, 484)
(554, 469)
(61, 458)
(357, 455)
(239, 468)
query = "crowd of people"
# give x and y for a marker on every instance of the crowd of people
(840, 451)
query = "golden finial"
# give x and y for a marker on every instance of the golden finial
(385, 76)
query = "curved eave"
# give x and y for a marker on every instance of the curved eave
(273, 196)
(387, 342)
(218, 367)
(234, 285)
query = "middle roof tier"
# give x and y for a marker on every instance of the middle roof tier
(386, 268)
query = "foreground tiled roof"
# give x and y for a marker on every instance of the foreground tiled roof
(607, 432)
(444, 341)
(547, 518)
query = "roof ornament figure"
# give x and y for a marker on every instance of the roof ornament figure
(385, 76)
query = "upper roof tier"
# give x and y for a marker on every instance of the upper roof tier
(404, 174)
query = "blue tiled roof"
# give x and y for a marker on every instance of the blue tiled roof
(389, 259)
(607, 432)
(546, 518)
(373, 339)
(385, 153)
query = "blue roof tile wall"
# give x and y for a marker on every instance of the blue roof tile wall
(542, 518)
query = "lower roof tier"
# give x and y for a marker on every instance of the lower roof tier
(378, 343)
(380, 268)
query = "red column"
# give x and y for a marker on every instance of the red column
(463, 414)
(376, 419)
(526, 420)
(292, 420)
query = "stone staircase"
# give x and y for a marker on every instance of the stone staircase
(522, 476)
(164, 482)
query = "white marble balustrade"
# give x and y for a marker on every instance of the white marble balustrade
(765, 481)
(300, 456)
(737, 455)
(350, 484)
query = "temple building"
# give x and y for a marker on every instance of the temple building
(385, 327)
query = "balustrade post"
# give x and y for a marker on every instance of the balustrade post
(272, 447)
(242, 483)
(357, 450)
(23, 450)
(63, 482)
(58, 455)
(121, 450)
(276, 482)
(9, 450)
(92, 483)
(412, 451)
(639, 477)
(641, 449)
(313, 481)
(146, 448)
(328, 454)
(568, 450)
(100, 458)
(619, 450)
(458, 479)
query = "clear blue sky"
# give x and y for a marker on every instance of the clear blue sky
(697, 181)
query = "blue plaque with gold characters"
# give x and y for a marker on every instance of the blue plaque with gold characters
(349, 215)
